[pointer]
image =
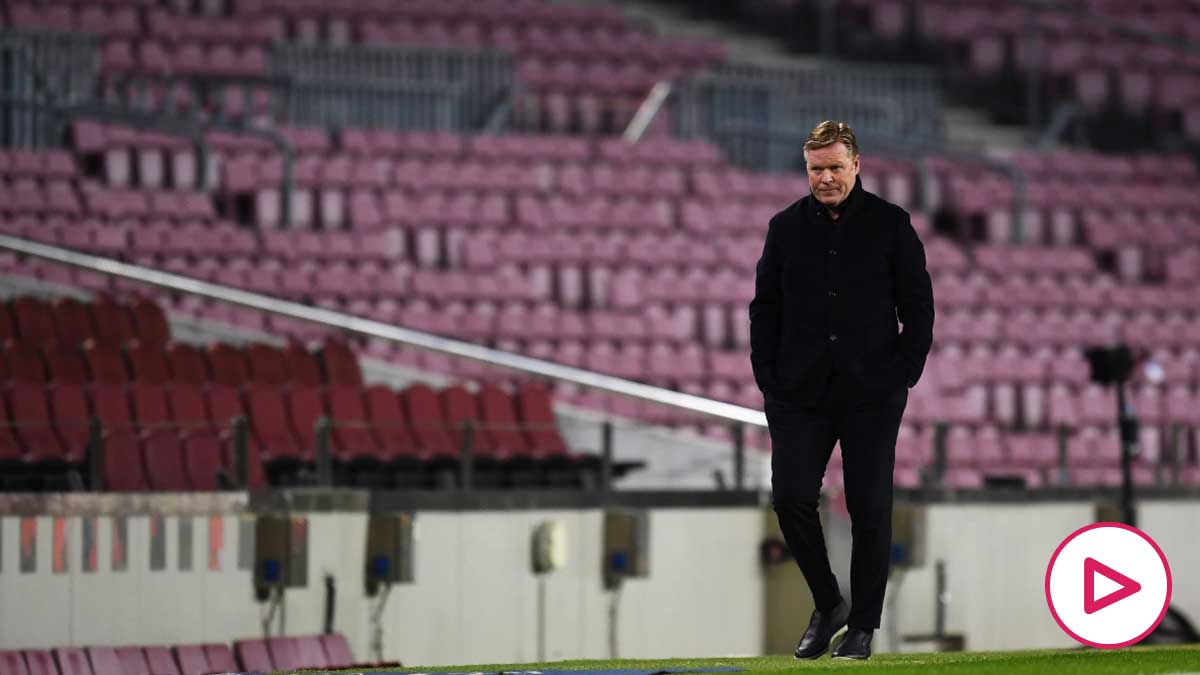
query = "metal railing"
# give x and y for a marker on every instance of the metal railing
(736, 416)
(481, 80)
(44, 66)
(889, 105)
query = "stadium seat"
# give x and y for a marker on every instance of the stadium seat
(73, 321)
(303, 365)
(114, 324)
(164, 462)
(252, 656)
(24, 363)
(34, 320)
(148, 363)
(192, 661)
(158, 661)
(72, 661)
(434, 434)
(273, 429)
(340, 365)
(105, 363)
(337, 650)
(40, 662)
(268, 365)
(35, 426)
(227, 364)
(150, 324)
(65, 364)
(129, 661)
(352, 437)
(188, 365)
(220, 658)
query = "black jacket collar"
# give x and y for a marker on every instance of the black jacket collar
(849, 207)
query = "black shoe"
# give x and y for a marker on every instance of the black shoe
(856, 645)
(821, 630)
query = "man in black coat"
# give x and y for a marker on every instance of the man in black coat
(838, 268)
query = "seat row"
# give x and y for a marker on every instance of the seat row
(178, 437)
(255, 655)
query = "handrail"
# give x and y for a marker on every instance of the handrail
(691, 403)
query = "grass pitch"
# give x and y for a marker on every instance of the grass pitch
(1128, 661)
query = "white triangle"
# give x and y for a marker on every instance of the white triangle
(1104, 586)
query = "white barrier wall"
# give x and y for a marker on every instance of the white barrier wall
(475, 598)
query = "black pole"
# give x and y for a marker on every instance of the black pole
(1128, 429)
(241, 465)
(606, 455)
(324, 459)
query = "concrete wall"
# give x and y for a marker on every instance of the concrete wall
(476, 601)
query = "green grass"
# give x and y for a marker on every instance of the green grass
(1129, 661)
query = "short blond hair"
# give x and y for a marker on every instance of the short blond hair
(829, 132)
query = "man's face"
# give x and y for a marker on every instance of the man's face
(831, 173)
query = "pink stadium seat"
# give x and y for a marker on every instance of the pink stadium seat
(159, 661)
(252, 656)
(72, 661)
(40, 662)
(220, 658)
(337, 650)
(131, 661)
(12, 663)
(191, 660)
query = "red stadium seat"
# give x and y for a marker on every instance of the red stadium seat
(25, 363)
(34, 320)
(541, 427)
(65, 364)
(202, 458)
(114, 324)
(461, 408)
(73, 321)
(303, 366)
(35, 428)
(105, 363)
(150, 323)
(340, 365)
(391, 425)
(500, 421)
(272, 428)
(268, 365)
(188, 365)
(150, 408)
(305, 407)
(72, 419)
(8, 328)
(227, 364)
(164, 462)
(352, 437)
(148, 363)
(434, 434)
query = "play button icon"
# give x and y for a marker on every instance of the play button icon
(1092, 567)
(1098, 567)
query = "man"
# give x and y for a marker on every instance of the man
(837, 270)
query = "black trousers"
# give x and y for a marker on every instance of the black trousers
(802, 439)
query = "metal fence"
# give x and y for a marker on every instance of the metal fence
(354, 79)
(45, 66)
(761, 115)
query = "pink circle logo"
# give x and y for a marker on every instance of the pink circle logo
(1108, 585)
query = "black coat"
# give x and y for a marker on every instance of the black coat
(827, 296)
